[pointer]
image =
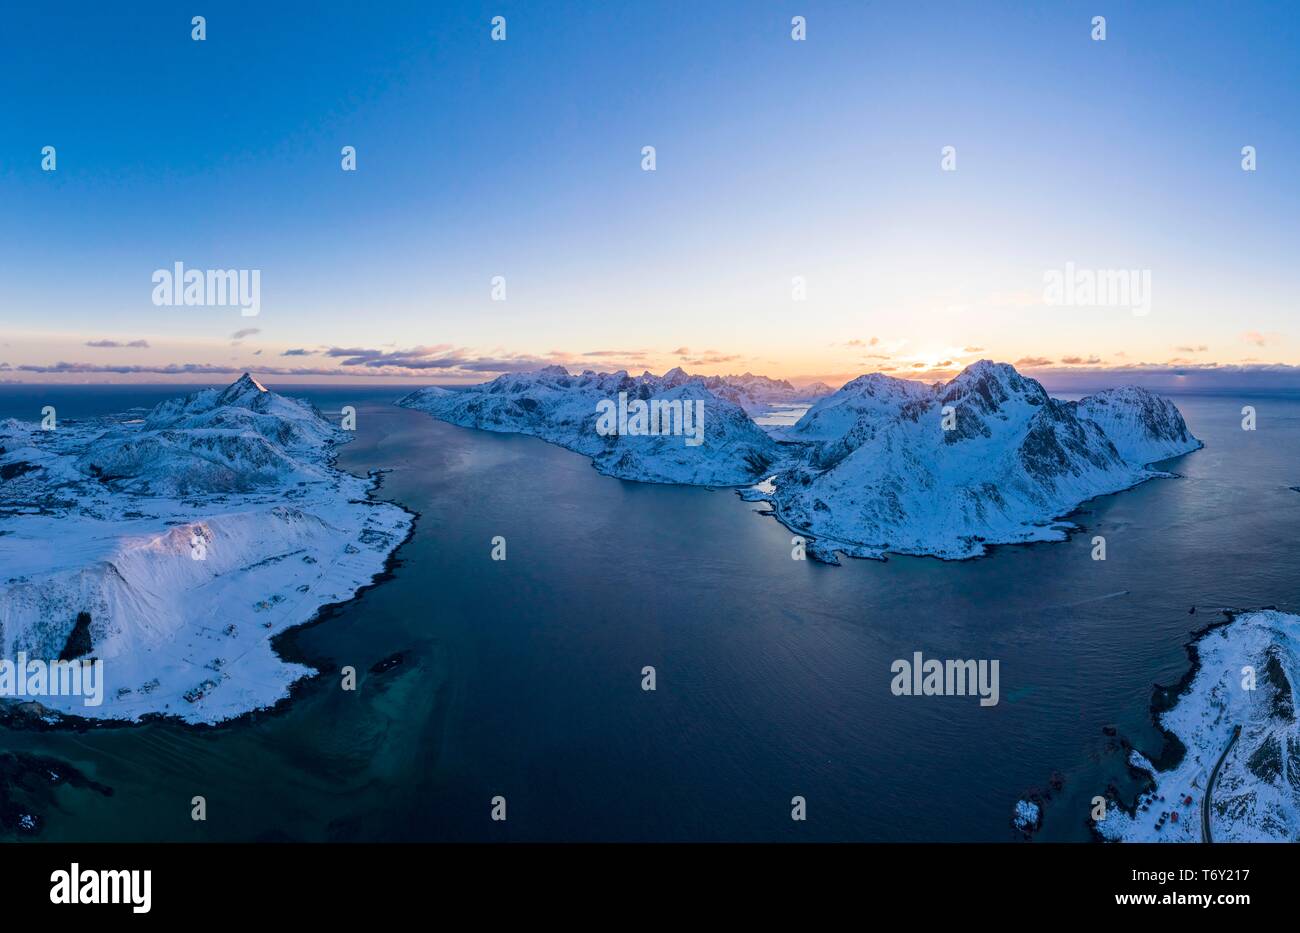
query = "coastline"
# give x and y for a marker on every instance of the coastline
(1065, 523)
(1201, 712)
(32, 716)
(1172, 750)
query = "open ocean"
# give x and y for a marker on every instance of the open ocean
(522, 678)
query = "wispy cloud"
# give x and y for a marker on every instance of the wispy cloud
(1261, 339)
(116, 345)
(711, 358)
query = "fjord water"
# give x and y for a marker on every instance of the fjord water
(522, 678)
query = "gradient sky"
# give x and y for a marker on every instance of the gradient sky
(522, 158)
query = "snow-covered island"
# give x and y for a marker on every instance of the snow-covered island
(883, 465)
(1235, 719)
(563, 409)
(895, 466)
(174, 547)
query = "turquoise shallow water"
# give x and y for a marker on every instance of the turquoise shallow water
(522, 678)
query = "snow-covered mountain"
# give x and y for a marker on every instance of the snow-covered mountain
(563, 408)
(1244, 679)
(944, 470)
(186, 540)
(235, 439)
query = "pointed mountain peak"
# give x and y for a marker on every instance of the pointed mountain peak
(243, 391)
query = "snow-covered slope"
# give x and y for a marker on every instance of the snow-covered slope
(562, 408)
(190, 539)
(856, 407)
(1256, 790)
(897, 466)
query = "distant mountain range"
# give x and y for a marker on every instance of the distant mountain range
(757, 393)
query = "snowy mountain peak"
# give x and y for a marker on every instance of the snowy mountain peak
(987, 386)
(241, 391)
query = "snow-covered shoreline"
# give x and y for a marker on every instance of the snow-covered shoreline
(1053, 528)
(1234, 711)
(190, 540)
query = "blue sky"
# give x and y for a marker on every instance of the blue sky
(775, 159)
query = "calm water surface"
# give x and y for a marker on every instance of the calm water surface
(522, 678)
